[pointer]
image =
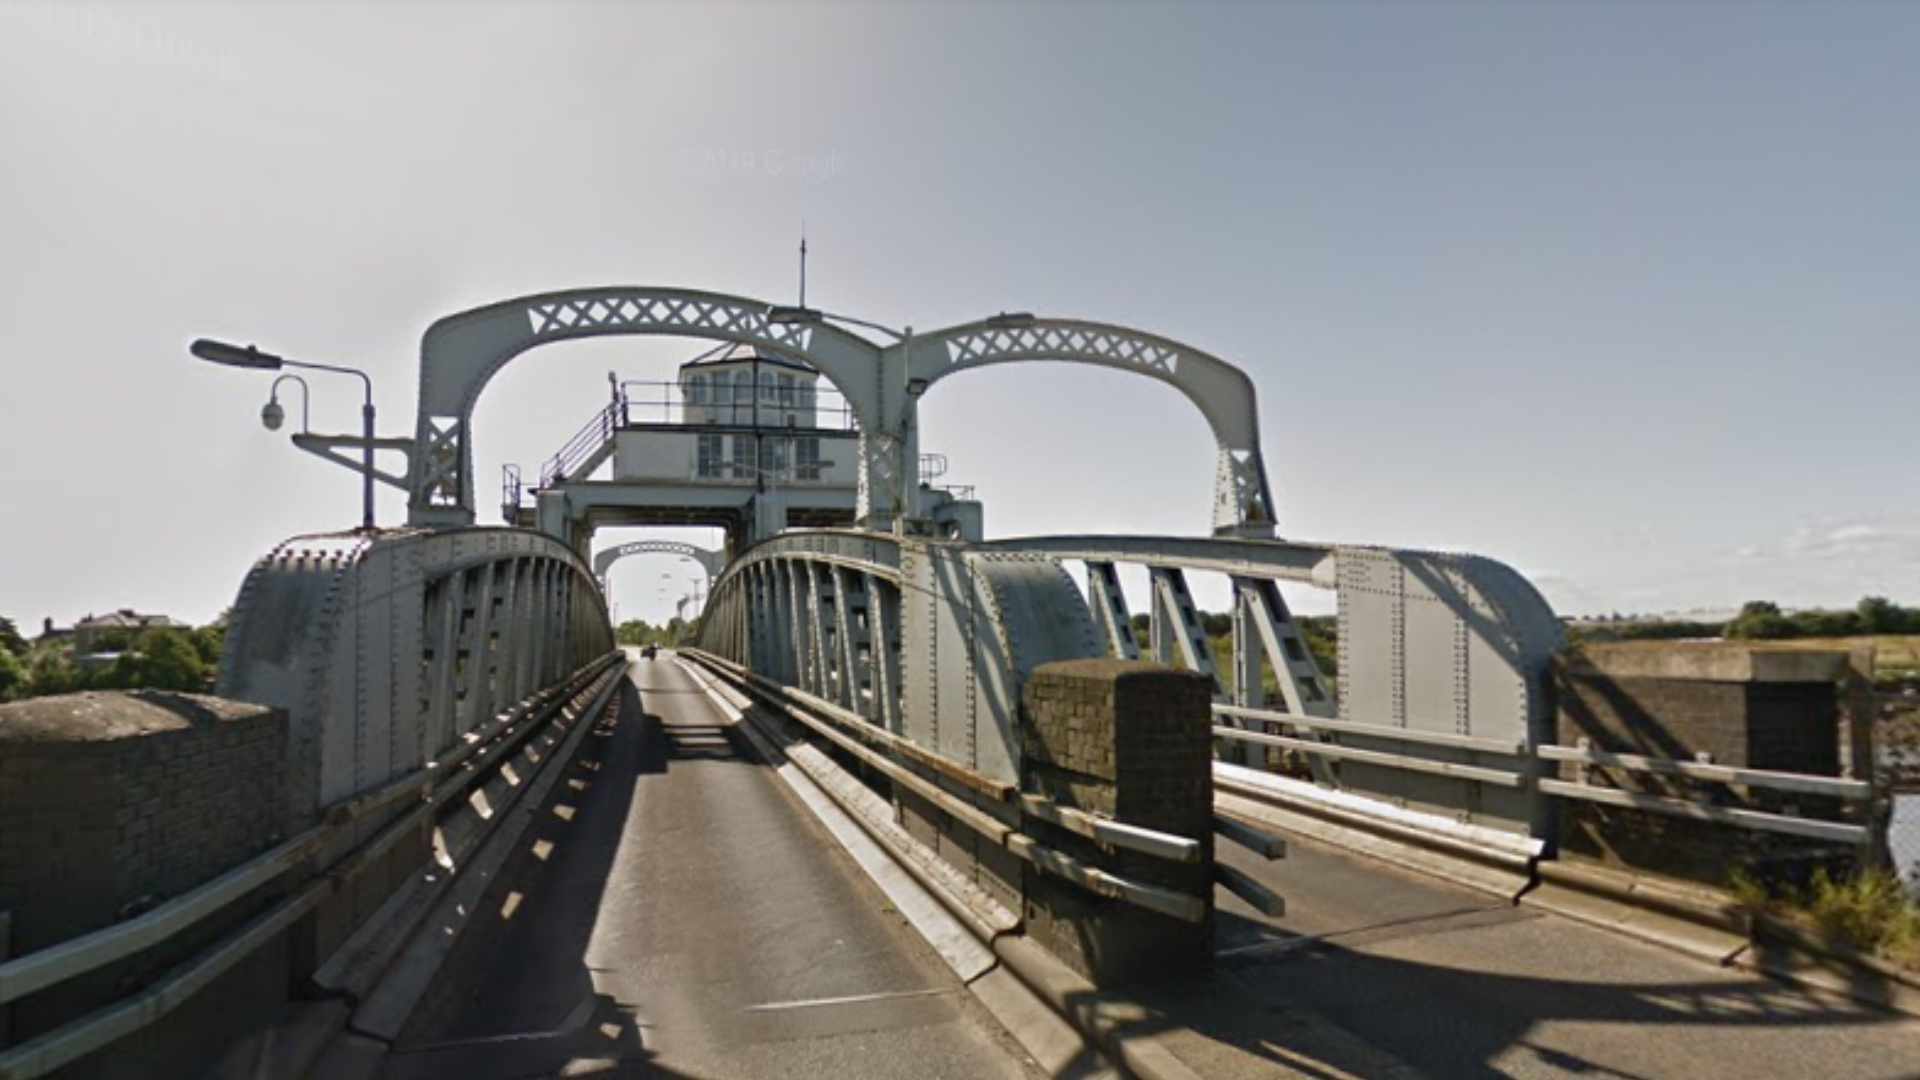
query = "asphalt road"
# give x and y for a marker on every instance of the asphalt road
(692, 920)
(1464, 987)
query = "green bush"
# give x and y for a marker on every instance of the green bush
(13, 676)
(1870, 911)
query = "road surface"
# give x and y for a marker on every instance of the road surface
(691, 919)
(1463, 986)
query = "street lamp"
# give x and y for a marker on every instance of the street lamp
(219, 352)
(272, 415)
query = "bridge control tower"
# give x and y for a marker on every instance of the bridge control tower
(743, 439)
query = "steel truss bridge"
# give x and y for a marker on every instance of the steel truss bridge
(427, 671)
(1437, 704)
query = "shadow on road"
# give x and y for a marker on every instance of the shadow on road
(517, 998)
(1476, 1024)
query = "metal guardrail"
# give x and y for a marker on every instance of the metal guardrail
(1372, 730)
(815, 412)
(71, 959)
(1838, 832)
(1336, 752)
(1847, 790)
(434, 787)
(1803, 783)
(855, 735)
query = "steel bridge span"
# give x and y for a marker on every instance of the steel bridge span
(507, 848)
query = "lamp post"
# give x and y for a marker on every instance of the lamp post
(219, 352)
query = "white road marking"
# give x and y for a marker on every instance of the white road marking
(856, 999)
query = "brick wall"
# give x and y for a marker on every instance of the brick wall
(1131, 741)
(112, 803)
(1696, 700)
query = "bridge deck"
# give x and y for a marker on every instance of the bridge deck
(691, 916)
(1435, 980)
(692, 920)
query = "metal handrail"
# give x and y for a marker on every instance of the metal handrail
(585, 444)
(510, 488)
(668, 403)
(70, 959)
(38, 970)
(1771, 779)
(1504, 747)
(1337, 752)
(1765, 821)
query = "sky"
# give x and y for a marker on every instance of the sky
(1621, 294)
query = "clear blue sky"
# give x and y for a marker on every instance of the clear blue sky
(1621, 294)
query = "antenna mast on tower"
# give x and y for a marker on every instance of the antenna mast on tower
(803, 264)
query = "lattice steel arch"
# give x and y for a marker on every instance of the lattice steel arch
(710, 561)
(459, 354)
(1243, 499)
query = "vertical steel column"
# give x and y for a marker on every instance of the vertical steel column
(1111, 619)
(1263, 626)
(741, 597)
(847, 683)
(819, 616)
(1259, 603)
(536, 621)
(856, 617)
(1175, 621)
(1249, 684)
(781, 626)
(767, 614)
(443, 693)
(797, 603)
(735, 614)
(515, 637)
(546, 572)
(566, 623)
(883, 620)
(477, 590)
(753, 608)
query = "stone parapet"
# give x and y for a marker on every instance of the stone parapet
(1724, 704)
(113, 803)
(1131, 741)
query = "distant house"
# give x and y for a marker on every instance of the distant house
(89, 632)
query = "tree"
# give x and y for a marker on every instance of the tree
(1828, 624)
(51, 671)
(1879, 615)
(641, 632)
(170, 660)
(1321, 633)
(1761, 620)
(162, 658)
(209, 641)
(13, 676)
(10, 640)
